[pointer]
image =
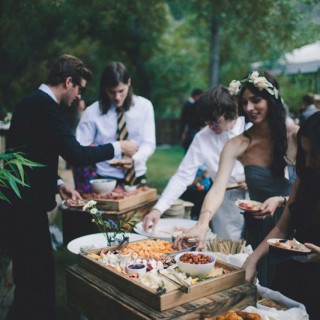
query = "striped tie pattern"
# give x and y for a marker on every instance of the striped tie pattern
(122, 134)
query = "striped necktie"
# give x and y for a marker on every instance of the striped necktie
(122, 134)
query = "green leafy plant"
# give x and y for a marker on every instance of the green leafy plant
(12, 175)
(110, 228)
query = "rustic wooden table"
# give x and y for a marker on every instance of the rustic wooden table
(77, 223)
(97, 300)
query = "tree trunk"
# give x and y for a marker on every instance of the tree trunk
(215, 45)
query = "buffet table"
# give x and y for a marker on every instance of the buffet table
(97, 299)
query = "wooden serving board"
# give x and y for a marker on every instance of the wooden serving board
(128, 202)
(98, 299)
(167, 300)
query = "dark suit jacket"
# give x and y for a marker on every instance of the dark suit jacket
(39, 130)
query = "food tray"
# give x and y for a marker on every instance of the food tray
(128, 202)
(133, 287)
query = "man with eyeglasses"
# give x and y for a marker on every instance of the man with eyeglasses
(219, 111)
(40, 132)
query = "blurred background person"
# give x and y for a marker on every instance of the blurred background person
(99, 122)
(190, 121)
(308, 108)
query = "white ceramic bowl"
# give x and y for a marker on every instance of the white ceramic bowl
(130, 188)
(195, 270)
(138, 268)
(103, 185)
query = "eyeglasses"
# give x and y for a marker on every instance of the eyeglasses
(212, 122)
(81, 89)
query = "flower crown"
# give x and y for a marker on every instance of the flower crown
(258, 81)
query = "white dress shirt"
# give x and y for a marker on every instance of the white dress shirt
(97, 128)
(205, 149)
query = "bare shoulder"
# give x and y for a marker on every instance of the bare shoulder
(237, 145)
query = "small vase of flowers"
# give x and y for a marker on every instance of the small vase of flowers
(114, 231)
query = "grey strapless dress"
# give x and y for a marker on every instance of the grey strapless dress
(261, 186)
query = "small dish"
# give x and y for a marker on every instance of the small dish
(248, 205)
(103, 185)
(136, 269)
(130, 188)
(196, 269)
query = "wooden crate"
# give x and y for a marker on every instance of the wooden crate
(128, 202)
(96, 299)
(167, 300)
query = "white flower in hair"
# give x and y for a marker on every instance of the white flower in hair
(254, 75)
(234, 87)
(261, 83)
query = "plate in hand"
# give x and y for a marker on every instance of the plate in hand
(248, 205)
(292, 246)
(74, 203)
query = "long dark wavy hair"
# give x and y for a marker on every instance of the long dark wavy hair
(276, 117)
(112, 75)
(305, 209)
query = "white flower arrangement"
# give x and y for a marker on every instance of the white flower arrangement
(258, 81)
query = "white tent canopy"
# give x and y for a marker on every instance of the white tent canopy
(301, 60)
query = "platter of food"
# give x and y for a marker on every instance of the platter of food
(248, 205)
(146, 270)
(95, 241)
(78, 203)
(120, 199)
(166, 228)
(293, 245)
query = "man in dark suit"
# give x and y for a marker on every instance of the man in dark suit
(40, 132)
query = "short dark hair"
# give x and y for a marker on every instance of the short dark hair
(308, 99)
(217, 102)
(112, 75)
(68, 66)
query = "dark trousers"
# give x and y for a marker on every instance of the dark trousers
(301, 282)
(26, 238)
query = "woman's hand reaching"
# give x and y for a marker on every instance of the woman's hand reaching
(151, 220)
(196, 234)
(250, 268)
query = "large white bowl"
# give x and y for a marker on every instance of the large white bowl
(103, 185)
(195, 270)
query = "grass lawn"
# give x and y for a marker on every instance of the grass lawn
(161, 166)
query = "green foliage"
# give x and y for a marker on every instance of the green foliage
(166, 44)
(12, 172)
(162, 165)
(293, 87)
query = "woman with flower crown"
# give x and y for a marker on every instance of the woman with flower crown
(267, 152)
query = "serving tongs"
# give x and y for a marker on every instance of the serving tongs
(123, 243)
(173, 254)
(182, 285)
